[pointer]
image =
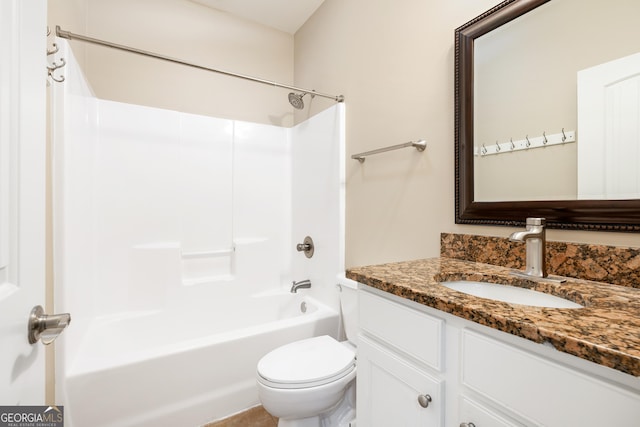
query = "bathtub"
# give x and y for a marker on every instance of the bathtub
(184, 368)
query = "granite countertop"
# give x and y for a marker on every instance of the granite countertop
(606, 331)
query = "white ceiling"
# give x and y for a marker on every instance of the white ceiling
(284, 15)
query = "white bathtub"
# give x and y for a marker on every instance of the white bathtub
(184, 368)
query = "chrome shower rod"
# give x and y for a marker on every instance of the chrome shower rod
(72, 36)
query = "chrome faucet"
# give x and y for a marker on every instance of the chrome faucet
(303, 284)
(534, 236)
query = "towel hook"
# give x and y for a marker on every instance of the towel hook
(544, 136)
(497, 147)
(55, 66)
(483, 151)
(564, 137)
(54, 50)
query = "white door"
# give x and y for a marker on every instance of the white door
(22, 196)
(608, 131)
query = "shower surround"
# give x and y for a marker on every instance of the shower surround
(174, 252)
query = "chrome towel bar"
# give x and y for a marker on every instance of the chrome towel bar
(419, 145)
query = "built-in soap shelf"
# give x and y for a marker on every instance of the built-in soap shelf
(208, 266)
(168, 264)
(206, 254)
(173, 265)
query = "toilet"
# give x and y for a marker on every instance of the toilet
(311, 382)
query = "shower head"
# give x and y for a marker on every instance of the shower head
(295, 99)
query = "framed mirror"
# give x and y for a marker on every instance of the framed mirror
(547, 115)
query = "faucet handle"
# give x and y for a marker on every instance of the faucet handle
(536, 221)
(307, 247)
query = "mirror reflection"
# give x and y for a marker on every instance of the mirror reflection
(557, 104)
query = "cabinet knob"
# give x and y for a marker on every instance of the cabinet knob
(467, 425)
(424, 400)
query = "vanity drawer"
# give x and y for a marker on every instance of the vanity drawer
(481, 416)
(413, 332)
(541, 391)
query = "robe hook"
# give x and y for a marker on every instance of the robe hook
(54, 50)
(60, 80)
(55, 66)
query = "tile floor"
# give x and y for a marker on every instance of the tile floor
(254, 417)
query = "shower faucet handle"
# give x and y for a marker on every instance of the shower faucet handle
(306, 246)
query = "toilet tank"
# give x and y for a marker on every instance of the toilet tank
(349, 307)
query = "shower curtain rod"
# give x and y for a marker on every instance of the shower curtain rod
(72, 36)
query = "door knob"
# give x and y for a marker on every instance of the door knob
(46, 327)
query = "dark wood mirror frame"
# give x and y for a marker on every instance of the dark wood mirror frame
(603, 215)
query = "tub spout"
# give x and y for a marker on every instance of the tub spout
(303, 284)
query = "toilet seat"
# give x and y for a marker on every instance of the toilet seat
(306, 363)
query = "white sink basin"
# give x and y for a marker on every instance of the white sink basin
(510, 294)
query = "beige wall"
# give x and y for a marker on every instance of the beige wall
(191, 32)
(393, 60)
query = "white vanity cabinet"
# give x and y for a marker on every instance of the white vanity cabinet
(489, 378)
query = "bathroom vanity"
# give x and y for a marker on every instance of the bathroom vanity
(432, 356)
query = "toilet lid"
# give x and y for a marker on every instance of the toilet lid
(309, 362)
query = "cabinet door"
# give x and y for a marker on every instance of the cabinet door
(540, 391)
(393, 392)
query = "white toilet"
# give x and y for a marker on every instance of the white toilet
(311, 382)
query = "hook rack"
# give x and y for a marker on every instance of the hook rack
(527, 143)
(54, 65)
(419, 145)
